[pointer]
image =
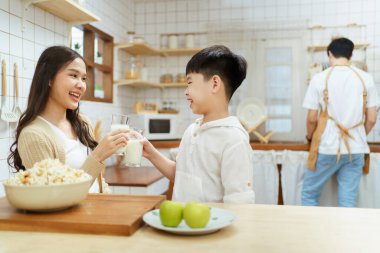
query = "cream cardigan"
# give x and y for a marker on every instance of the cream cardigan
(37, 142)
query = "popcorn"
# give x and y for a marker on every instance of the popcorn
(49, 172)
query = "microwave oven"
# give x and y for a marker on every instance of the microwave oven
(159, 126)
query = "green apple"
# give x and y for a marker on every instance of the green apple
(196, 214)
(171, 213)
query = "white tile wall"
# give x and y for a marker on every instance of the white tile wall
(154, 17)
(151, 18)
(42, 29)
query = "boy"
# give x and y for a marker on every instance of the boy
(214, 158)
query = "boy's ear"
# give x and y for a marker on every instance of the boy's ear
(216, 83)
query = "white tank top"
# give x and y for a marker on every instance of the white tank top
(75, 152)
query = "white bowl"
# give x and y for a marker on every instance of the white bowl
(46, 198)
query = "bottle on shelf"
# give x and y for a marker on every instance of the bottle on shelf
(173, 41)
(131, 36)
(133, 69)
(189, 40)
(144, 73)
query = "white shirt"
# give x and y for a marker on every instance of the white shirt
(214, 163)
(75, 151)
(345, 105)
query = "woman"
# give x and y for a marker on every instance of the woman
(51, 126)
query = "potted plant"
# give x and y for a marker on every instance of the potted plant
(98, 58)
(99, 92)
(77, 48)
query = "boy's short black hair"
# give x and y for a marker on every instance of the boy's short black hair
(341, 47)
(219, 60)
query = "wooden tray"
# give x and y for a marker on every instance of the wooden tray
(97, 214)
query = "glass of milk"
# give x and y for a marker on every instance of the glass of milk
(134, 148)
(119, 121)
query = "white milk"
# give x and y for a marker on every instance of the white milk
(119, 126)
(133, 153)
(115, 127)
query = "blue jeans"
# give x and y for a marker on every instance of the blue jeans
(348, 176)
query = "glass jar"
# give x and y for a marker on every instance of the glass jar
(173, 41)
(133, 68)
(130, 36)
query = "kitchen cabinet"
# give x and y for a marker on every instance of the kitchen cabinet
(279, 152)
(278, 146)
(68, 10)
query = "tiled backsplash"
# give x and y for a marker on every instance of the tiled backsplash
(42, 29)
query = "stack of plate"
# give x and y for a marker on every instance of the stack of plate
(251, 111)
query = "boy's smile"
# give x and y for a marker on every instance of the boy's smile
(196, 93)
(190, 102)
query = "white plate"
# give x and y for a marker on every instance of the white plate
(250, 111)
(219, 219)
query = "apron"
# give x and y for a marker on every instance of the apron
(344, 132)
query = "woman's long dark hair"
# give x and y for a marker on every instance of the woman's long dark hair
(51, 61)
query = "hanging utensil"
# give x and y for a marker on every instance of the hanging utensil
(6, 114)
(16, 107)
(98, 136)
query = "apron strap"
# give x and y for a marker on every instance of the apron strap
(364, 92)
(344, 134)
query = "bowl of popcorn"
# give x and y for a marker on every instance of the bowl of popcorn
(48, 186)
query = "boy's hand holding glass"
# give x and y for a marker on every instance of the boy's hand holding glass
(134, 149)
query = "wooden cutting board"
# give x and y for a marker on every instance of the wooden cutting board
(97, 214)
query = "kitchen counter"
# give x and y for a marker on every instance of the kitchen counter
(258, 228)
(132, 176)
(295, 146)
(136, 180)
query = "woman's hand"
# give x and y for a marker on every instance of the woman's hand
(110, 144)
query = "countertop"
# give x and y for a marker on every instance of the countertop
(258, 228)
(295, 146)
(132, 176)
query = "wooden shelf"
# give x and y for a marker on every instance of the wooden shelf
(98, 74)
(68, 10)
(147, 84)
(173, 85)
(145, 49)
(138, 49)
(102, 67)
(319, 48)
(180, 51)
(95, 99)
